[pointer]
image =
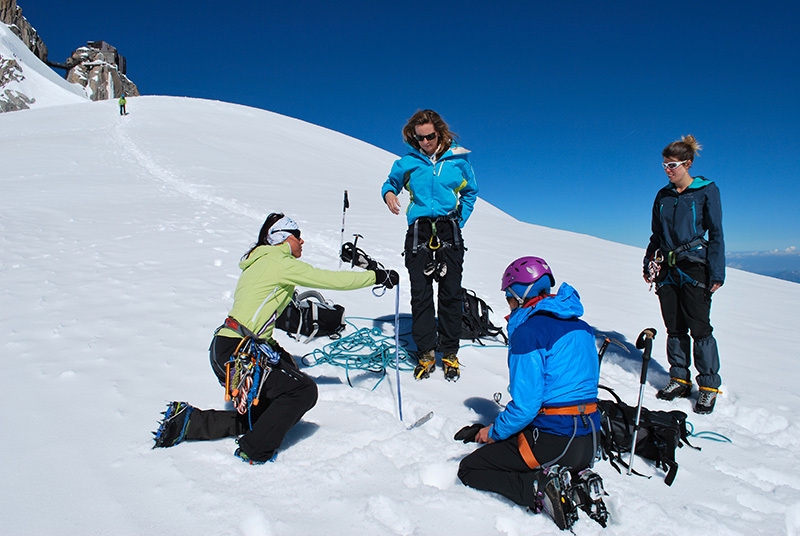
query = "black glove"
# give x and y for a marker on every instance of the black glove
(468, 433)
(386, 278)
(356, 257)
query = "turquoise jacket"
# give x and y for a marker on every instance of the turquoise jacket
(269, 277)
(552, 362)
(446, 187)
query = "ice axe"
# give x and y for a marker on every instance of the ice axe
(643, 342)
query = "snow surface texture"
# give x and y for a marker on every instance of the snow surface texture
(119, 244)
(41, 82)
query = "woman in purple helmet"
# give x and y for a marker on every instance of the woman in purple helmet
(552, 419)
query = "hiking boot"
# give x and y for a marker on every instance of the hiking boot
(676, 388)
(426, 365)
(246, 459)
(587, 493)
(706, 400)
(451, 367)
(553, 492)
(172, 428)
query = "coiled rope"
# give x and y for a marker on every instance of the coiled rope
(367, 349)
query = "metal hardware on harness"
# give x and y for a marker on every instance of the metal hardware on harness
(431, 245)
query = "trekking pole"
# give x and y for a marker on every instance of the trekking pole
(345, 206)
(397, 348)
(643, 342)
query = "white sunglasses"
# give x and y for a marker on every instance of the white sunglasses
(673, 165)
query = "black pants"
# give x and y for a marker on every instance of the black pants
(499, 467)
(286, 396)
(686, 308)
(427, 333)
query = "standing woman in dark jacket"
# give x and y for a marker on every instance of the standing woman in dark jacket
(687, 268)
(438, 176)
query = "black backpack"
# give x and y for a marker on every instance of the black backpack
(310, 315)
(475, 322)
(660, 433)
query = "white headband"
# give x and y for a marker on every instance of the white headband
(279, 231)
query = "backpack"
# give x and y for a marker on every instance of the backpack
(475, 322)
(310, 315)
(660, 433)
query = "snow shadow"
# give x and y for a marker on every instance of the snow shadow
(624, 353)
(487, 410)
(300, 431)
(405, 329)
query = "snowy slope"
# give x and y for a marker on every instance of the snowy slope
(119, 244)
(40, 81)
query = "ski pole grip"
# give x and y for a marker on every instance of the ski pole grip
(645, 342)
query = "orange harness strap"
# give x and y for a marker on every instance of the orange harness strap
(580, 409)
(526, 452)
(522, 442)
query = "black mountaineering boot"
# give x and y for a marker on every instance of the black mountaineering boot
(588, 492)
(553, 490)
(172, 429)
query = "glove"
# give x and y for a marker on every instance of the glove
(354, 255)
(386, 278)
(468, 433)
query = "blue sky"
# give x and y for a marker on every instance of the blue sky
(565, 105)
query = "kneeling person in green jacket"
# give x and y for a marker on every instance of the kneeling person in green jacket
(270, 272)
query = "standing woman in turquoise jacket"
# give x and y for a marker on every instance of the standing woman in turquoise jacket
(442, 190)
(687, 268)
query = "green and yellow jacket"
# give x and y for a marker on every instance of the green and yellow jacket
(269, 277)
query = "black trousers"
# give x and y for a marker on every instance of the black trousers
(686, 309)
(499, 467)
(428, 334)
(286, 396)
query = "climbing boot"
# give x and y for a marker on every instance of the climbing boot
(172, 428)
(676, 388)
(706, 400)
(426, 364)
(554, 496)
(451, 367)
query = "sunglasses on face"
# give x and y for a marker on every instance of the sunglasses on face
(673, 165)
(429, 137)
(294, 232)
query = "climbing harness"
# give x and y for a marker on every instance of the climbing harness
(248, 367)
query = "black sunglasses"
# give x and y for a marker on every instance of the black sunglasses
(429, 137)
(294, 232)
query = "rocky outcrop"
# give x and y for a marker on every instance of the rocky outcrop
(12, 100)
(97, 67)
(11, 14)
(100, 69)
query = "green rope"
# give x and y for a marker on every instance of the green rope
(366, 349)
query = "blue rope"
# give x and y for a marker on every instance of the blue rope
(705, 434)
(366, 349)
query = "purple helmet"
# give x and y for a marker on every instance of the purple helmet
(526, 271)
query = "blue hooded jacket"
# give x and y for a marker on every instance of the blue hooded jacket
(552, 362)
(444, 188)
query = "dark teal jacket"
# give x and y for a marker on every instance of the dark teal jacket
(694, 215)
